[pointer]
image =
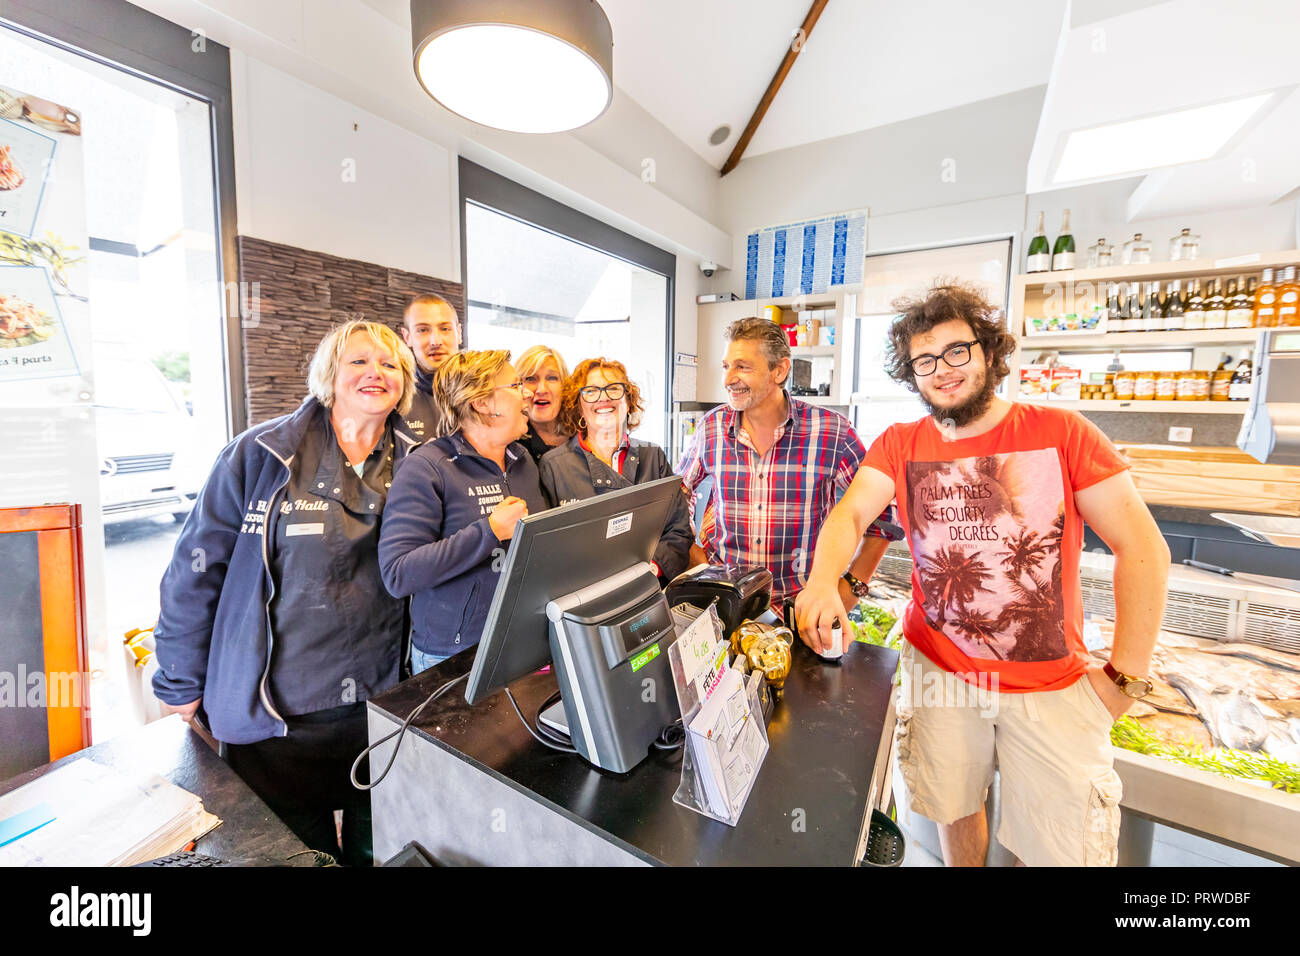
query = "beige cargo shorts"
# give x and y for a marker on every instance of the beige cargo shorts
(1059, 790)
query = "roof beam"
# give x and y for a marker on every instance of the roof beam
(787, 62)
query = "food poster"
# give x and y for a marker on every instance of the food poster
(44, 273)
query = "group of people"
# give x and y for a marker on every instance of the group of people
(405, 471)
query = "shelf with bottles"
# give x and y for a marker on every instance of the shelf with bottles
(1216, 303)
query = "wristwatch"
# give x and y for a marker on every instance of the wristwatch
(1135, 687)
(859, 588)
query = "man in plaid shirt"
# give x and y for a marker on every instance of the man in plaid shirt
(778, 466)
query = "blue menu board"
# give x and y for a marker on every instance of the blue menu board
(805, 258)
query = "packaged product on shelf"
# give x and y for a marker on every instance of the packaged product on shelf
(1066, 383)
(1220, 383)
(1194, 386)
(1144, 386)
(1124, 385)
(1166, 386)
(1034, 381)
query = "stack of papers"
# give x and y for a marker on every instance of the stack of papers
(727, 747)
(102, 817)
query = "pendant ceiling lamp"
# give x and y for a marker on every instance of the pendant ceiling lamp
(527, 66)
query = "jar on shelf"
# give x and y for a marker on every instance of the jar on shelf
(1101, 254)
(1220, 384)
(1166, 386)
(1184, 246)
(1194, 386)
(1124, 386)
(1137, 251)
(1144, 386)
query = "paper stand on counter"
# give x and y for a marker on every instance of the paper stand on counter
(726, 741)
(102, 817)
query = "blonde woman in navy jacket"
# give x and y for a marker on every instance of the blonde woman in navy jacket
(273, 620)
(455, 502)
(601, 405)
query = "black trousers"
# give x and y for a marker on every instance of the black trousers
(304, 778)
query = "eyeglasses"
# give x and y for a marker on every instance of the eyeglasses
(613, 391)
(517, 386)
(954, 356)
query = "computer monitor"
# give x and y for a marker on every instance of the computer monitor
(555, 553)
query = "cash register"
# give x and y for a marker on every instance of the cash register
(578, 591)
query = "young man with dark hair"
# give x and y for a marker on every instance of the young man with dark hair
(777, 464)
(431, 331)
(993, 496)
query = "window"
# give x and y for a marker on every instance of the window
(539, 273)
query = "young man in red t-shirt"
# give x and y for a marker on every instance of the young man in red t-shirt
(993, 496)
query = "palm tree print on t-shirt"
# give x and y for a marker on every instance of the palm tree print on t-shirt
(986, 537)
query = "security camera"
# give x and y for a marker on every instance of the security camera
(708, 268)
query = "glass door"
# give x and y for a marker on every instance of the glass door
(111, 239)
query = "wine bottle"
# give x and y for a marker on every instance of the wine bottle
(1216, 305)
(1063, 250)
(1239, 390)
(1241, 311)
(1153, 317)
(1040, 255)
(1174, 313)
(1134, 323)
(1195, 306)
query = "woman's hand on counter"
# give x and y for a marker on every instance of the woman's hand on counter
(1116, 701)
(505, 515)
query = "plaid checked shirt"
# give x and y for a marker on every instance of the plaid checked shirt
(769, 508)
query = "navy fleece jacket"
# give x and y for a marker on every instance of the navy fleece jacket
(436, 544)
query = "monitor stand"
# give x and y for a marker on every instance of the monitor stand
(554, 718)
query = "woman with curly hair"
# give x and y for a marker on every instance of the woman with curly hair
(600, 405)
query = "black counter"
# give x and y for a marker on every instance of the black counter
(806, 808)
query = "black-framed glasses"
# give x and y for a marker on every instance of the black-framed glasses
(594, 393)
(954, 356)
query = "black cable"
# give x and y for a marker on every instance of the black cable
(398, 734)
(671, 737)
(540, 739)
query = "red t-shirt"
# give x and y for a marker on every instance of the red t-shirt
(995, 540)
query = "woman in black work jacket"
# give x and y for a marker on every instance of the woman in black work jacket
(600, 406)
(273, 615)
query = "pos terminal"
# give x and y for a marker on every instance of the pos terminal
(577, 590)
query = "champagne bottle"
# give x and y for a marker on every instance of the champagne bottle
(1040, 256)
(1063, 250)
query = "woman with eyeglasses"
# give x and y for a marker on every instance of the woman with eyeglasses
(601, 405)
(455, 502)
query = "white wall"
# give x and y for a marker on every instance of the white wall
(319, 173)
(356, 58)
(955, 174)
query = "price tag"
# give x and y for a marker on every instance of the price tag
(704, 656)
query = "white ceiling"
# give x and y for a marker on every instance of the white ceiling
(698, 64)
(1176, 55)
